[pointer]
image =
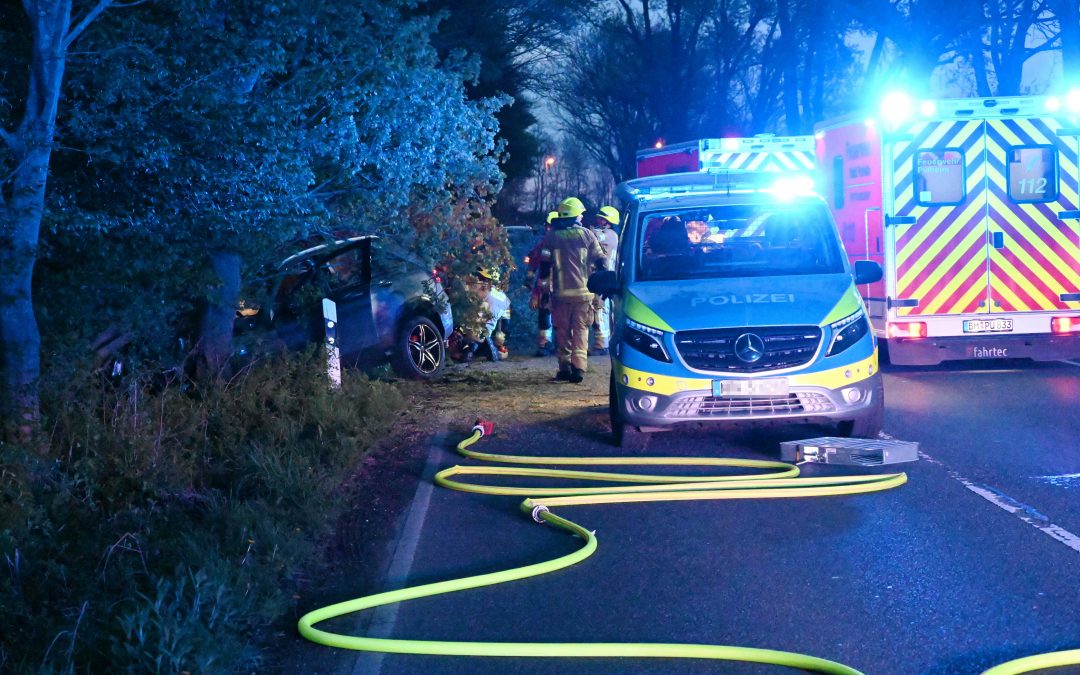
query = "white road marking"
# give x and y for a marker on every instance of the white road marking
(1006, 503)
(1063, 480)
(1071, 363)
(384, 618)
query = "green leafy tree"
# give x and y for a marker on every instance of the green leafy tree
(196, 148)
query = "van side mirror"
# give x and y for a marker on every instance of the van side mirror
(604, 283)
(867, 272)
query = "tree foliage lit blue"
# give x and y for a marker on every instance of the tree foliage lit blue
(193, 139)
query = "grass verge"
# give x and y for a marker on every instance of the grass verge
(165, 530)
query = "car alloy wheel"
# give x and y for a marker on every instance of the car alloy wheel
(425, 348)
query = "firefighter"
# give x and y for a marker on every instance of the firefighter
(485, 336)
(496, 308)
(569, 254)
(539, 298)
(607, 218)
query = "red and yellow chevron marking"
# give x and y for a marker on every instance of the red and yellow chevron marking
(1040, 259)
(941, 260)
(787, 160)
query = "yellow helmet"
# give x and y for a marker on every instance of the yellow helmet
(488, 273)
(552, 215)
(609, 213)
(571, 207)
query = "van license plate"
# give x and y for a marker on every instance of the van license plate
(775, 386)
(988, 325)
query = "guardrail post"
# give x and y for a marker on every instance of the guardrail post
(333, 354)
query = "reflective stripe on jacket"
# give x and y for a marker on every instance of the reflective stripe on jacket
(572, 253)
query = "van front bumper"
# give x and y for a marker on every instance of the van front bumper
(652, 406)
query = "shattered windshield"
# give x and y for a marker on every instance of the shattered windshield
(737, 240)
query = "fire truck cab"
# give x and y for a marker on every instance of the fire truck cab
(971, 208)
(763, 152)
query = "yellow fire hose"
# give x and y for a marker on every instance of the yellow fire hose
(782, 481)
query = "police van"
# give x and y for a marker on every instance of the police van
(735, 303)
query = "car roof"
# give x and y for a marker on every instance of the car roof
(329, 248)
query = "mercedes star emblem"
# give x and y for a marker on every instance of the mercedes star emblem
(749, 347)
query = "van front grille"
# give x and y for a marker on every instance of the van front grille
(714, 350)
(750, 406)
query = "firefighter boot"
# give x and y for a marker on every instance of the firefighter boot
(493, 352)
(565, 373)
(576, 375)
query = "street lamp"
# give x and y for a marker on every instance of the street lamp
(549, 162)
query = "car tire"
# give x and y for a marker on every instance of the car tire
(623, 435)
(870, 422)
(419, 350)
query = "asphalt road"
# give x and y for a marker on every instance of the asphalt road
(974, 562)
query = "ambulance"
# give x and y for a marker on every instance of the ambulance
(735, 303)
(971, 208)
(764, 152)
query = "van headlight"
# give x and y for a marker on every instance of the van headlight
(847, 331)
(646, 339)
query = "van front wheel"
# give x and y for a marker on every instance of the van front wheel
(623, 435)
(870, 422)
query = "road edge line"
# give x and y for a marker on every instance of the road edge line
(384, 618)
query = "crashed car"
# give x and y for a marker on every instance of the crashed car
(390, 308)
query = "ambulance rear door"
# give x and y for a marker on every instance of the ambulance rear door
(1034, 231)
(936, 220)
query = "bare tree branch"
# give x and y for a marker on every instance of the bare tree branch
(100, 7)
(631, 25)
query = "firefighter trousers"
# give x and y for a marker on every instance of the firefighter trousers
(602, 325)
(572, 319)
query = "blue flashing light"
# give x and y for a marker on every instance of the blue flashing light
(790, 187)
(1072, 101)
(897, 108)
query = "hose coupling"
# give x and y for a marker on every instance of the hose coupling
(537, 510)
(484, 427)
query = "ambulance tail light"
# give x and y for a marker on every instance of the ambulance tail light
(1064, 325)
(910, 330)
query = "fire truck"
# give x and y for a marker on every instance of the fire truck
(764, 152)
(971, 208)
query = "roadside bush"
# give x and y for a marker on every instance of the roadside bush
(166, 529)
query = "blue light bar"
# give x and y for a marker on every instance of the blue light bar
(728, 181)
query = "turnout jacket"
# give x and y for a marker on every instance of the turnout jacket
(568, 255)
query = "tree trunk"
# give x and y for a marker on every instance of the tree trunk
(789, 66)
(978, 62)
(30, 145)
(20, 342)
(1068, 13)
(216, 329)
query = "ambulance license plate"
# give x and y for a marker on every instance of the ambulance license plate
(774, 386)
(988, 325)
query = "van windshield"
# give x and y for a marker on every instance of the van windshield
(737, 240)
